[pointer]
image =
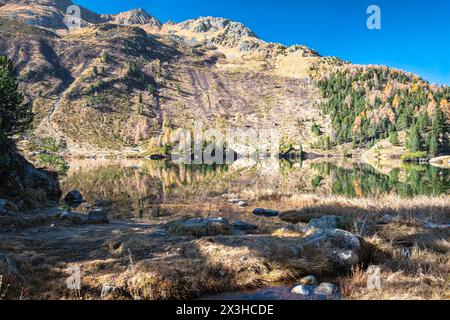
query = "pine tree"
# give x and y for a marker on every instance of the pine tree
(15, 115)
(414, 139)
(433, 147)
(393, 137)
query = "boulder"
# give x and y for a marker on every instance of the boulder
(74, 198)
(243, 226)
(309, 281)
(97, 216)
(304, 290)
(331, 222)
(199, 227)
(74, 217)
(326, 291)
(265, 212)
(343, 249)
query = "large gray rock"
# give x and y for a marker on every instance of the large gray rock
(74, 198)
(265, 212)
(327, 291)
(94, 217)
(304, 290)
(243, 226)
(199, 227)
(74, 217)
(19, 179)
(97, 216)
(343, 249)
(331, 222)
(309, 281)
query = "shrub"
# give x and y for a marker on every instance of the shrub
(413, 156)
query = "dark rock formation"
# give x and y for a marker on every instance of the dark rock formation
(25, 185)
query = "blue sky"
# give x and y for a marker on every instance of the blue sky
(415, 34)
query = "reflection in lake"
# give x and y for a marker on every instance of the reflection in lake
(363, 180)
(156, 189)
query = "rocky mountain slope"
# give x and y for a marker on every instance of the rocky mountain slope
(128, 80)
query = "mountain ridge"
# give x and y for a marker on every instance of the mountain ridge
(130, 80)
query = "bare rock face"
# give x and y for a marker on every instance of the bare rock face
(20, 179)
(45, 13)
(221, 31)
(134, 17)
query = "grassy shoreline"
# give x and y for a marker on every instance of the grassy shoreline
(413, 257)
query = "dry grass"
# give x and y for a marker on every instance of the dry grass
(414, 259)
(414, 262)
(436, 209)
(222, 264)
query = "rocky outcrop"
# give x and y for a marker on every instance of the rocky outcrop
(26, 186)
(46, 13)
(342, 248)
(223, 32)
(134, 17)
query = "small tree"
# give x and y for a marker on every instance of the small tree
(433, 147)
(414, 139)
(139, 104)
(15, 115)
(105, 57)
(393, 138)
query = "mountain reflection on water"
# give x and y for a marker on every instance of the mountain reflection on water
(139, 188)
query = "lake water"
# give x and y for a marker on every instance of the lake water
(142, 189)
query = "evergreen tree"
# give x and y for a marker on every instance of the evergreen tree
(393, 138)
(15, 115)
(433, 145)
(414, 143)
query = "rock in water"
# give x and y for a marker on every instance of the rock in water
(97, 216)
(331, 222)
(304, 290)
(73, 198)
(243, 226)
(265, 212)
(327, 290)
(309, 280)
(343, 249)
(199, 227)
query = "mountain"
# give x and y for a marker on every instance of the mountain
(127, 80)
(134, 17)
(45, 13)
